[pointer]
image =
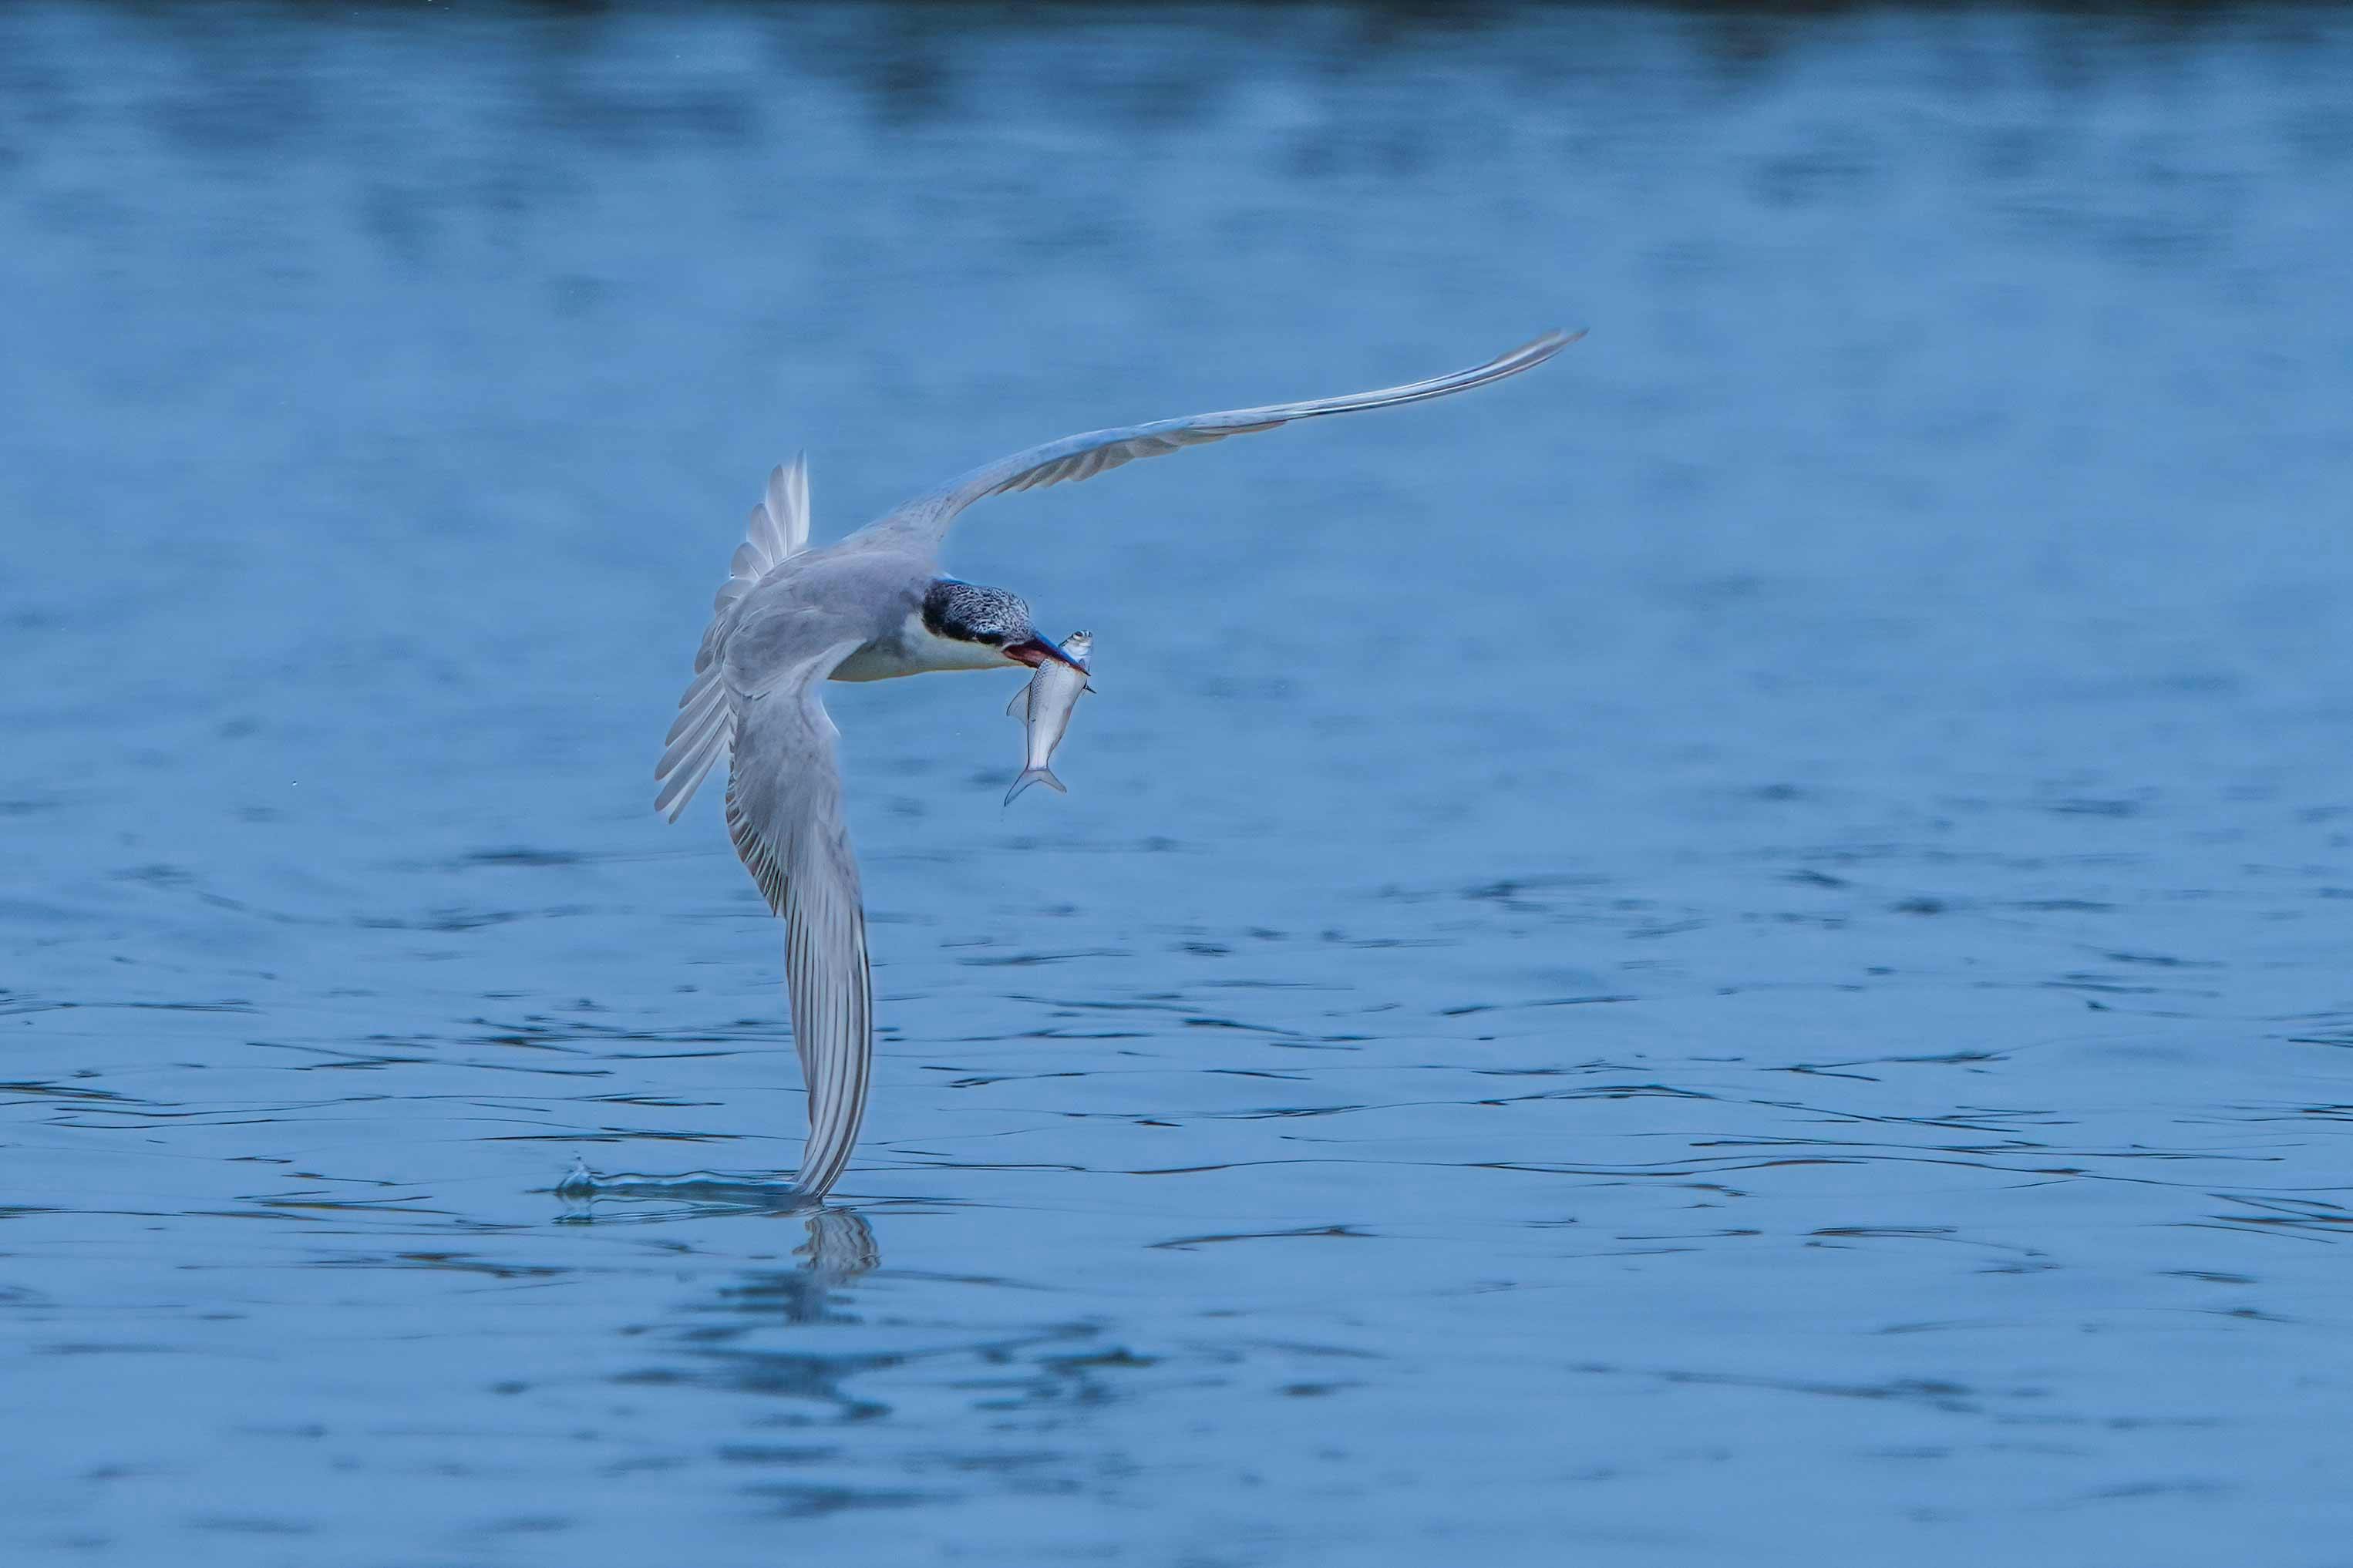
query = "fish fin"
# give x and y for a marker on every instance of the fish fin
(1019, 707)
(1035, 776)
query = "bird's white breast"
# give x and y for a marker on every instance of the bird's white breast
(915, 649)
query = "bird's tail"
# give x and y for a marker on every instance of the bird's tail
(1035, 776)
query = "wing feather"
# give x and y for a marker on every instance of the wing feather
(780, 523)
(698, 739)
(704, 729)
(784, 815)
(1098, 451)
(787, 506)
(687, 776)
(694, 708)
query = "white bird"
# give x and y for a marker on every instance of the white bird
(870, 607)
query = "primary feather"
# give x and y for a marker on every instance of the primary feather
(785, 816)
(704, 731)
(926, 518)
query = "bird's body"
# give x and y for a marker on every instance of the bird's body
(878, 598)
(875, 606)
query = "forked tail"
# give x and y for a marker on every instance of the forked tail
(1035, 776)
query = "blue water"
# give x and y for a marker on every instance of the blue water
(1732, 951)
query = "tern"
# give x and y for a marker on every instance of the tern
(870, 607)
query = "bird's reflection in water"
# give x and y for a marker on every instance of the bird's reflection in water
(840, 1247)
(729, 1338)
(750, 1337)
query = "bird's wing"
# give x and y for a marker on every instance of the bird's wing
(927, 518)
(786, 506)
(701, 735)
(783, 812)
(698, 740)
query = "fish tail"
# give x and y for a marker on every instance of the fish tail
(1035, 776)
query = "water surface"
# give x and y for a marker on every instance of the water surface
(1732, 951)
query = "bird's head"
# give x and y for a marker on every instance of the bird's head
(989, 621)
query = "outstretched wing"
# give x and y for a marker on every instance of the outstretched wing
(783, 812)
(1082, 456)
(705, 729)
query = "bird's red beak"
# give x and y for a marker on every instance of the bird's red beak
(1037, 651)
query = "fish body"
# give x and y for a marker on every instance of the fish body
(1045, 705)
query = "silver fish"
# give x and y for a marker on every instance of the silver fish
(1045, 705)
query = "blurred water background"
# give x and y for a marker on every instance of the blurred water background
(1735, 952)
